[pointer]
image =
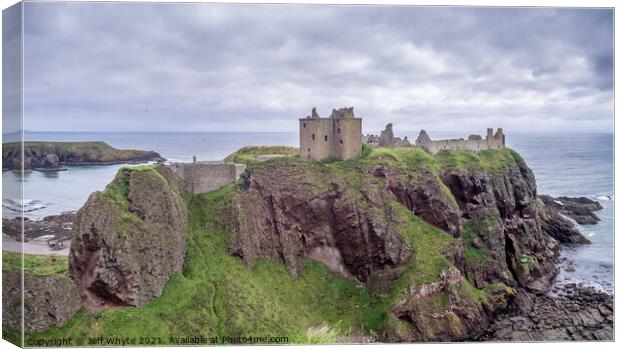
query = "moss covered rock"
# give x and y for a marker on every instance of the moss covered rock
(49, 300)
(129, 239)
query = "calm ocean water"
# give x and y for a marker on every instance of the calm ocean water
(571, 165)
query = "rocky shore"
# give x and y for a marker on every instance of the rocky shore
(574, 313)
(58, 225)
(581, 209)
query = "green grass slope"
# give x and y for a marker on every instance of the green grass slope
(247, 155)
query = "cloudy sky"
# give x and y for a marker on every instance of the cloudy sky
(206, 67)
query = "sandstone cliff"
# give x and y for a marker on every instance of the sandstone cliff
(355, 218)
(129, 239)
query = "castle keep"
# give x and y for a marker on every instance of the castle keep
(473, 143)
(338, 136)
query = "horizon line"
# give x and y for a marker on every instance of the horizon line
(364, 133)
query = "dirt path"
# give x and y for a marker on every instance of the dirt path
(33, 247)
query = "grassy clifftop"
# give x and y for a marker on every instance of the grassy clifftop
(248, 154)
(413, 157)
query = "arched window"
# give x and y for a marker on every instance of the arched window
(313, 136)
(325, 138)
(341, 141)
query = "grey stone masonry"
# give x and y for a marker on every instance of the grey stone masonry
(473, 143)
(206, 176)
(387, 139)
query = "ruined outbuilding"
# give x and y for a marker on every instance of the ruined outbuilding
(337, 136)
(387, 139)
(473, 143)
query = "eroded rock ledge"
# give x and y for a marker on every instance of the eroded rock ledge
(581, 209)
(581, 313)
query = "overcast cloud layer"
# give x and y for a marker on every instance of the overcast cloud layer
(205, 67)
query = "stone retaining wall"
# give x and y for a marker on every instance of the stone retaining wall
(202, 177)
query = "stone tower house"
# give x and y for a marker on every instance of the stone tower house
(338, 136)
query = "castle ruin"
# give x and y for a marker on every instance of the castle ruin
(473, 143)
(337, 136)
(387, 139)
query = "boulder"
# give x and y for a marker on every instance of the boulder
(51, 161)
(49, 301)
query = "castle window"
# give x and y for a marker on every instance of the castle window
(304, 125)
(341, 141)
(313, 136)
(308, 150)
(338, 129)
(325, 138)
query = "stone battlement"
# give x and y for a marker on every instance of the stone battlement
(473, 143)
(206, 176)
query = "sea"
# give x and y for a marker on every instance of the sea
(564, 164)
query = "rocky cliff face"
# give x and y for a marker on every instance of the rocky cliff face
(502, 229)
(342, 215)
(290, 219)
(558, 227)
(48, 300)
(129, 239)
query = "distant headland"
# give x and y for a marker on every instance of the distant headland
(51, 156)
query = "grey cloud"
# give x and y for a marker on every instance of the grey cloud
(208, 67)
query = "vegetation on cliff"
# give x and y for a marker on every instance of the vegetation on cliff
(36, 264)
(247, 155)
(436, 267)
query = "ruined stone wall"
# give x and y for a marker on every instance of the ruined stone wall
(457, 144)
(473, 143)
(386, 139)
(202, 177)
